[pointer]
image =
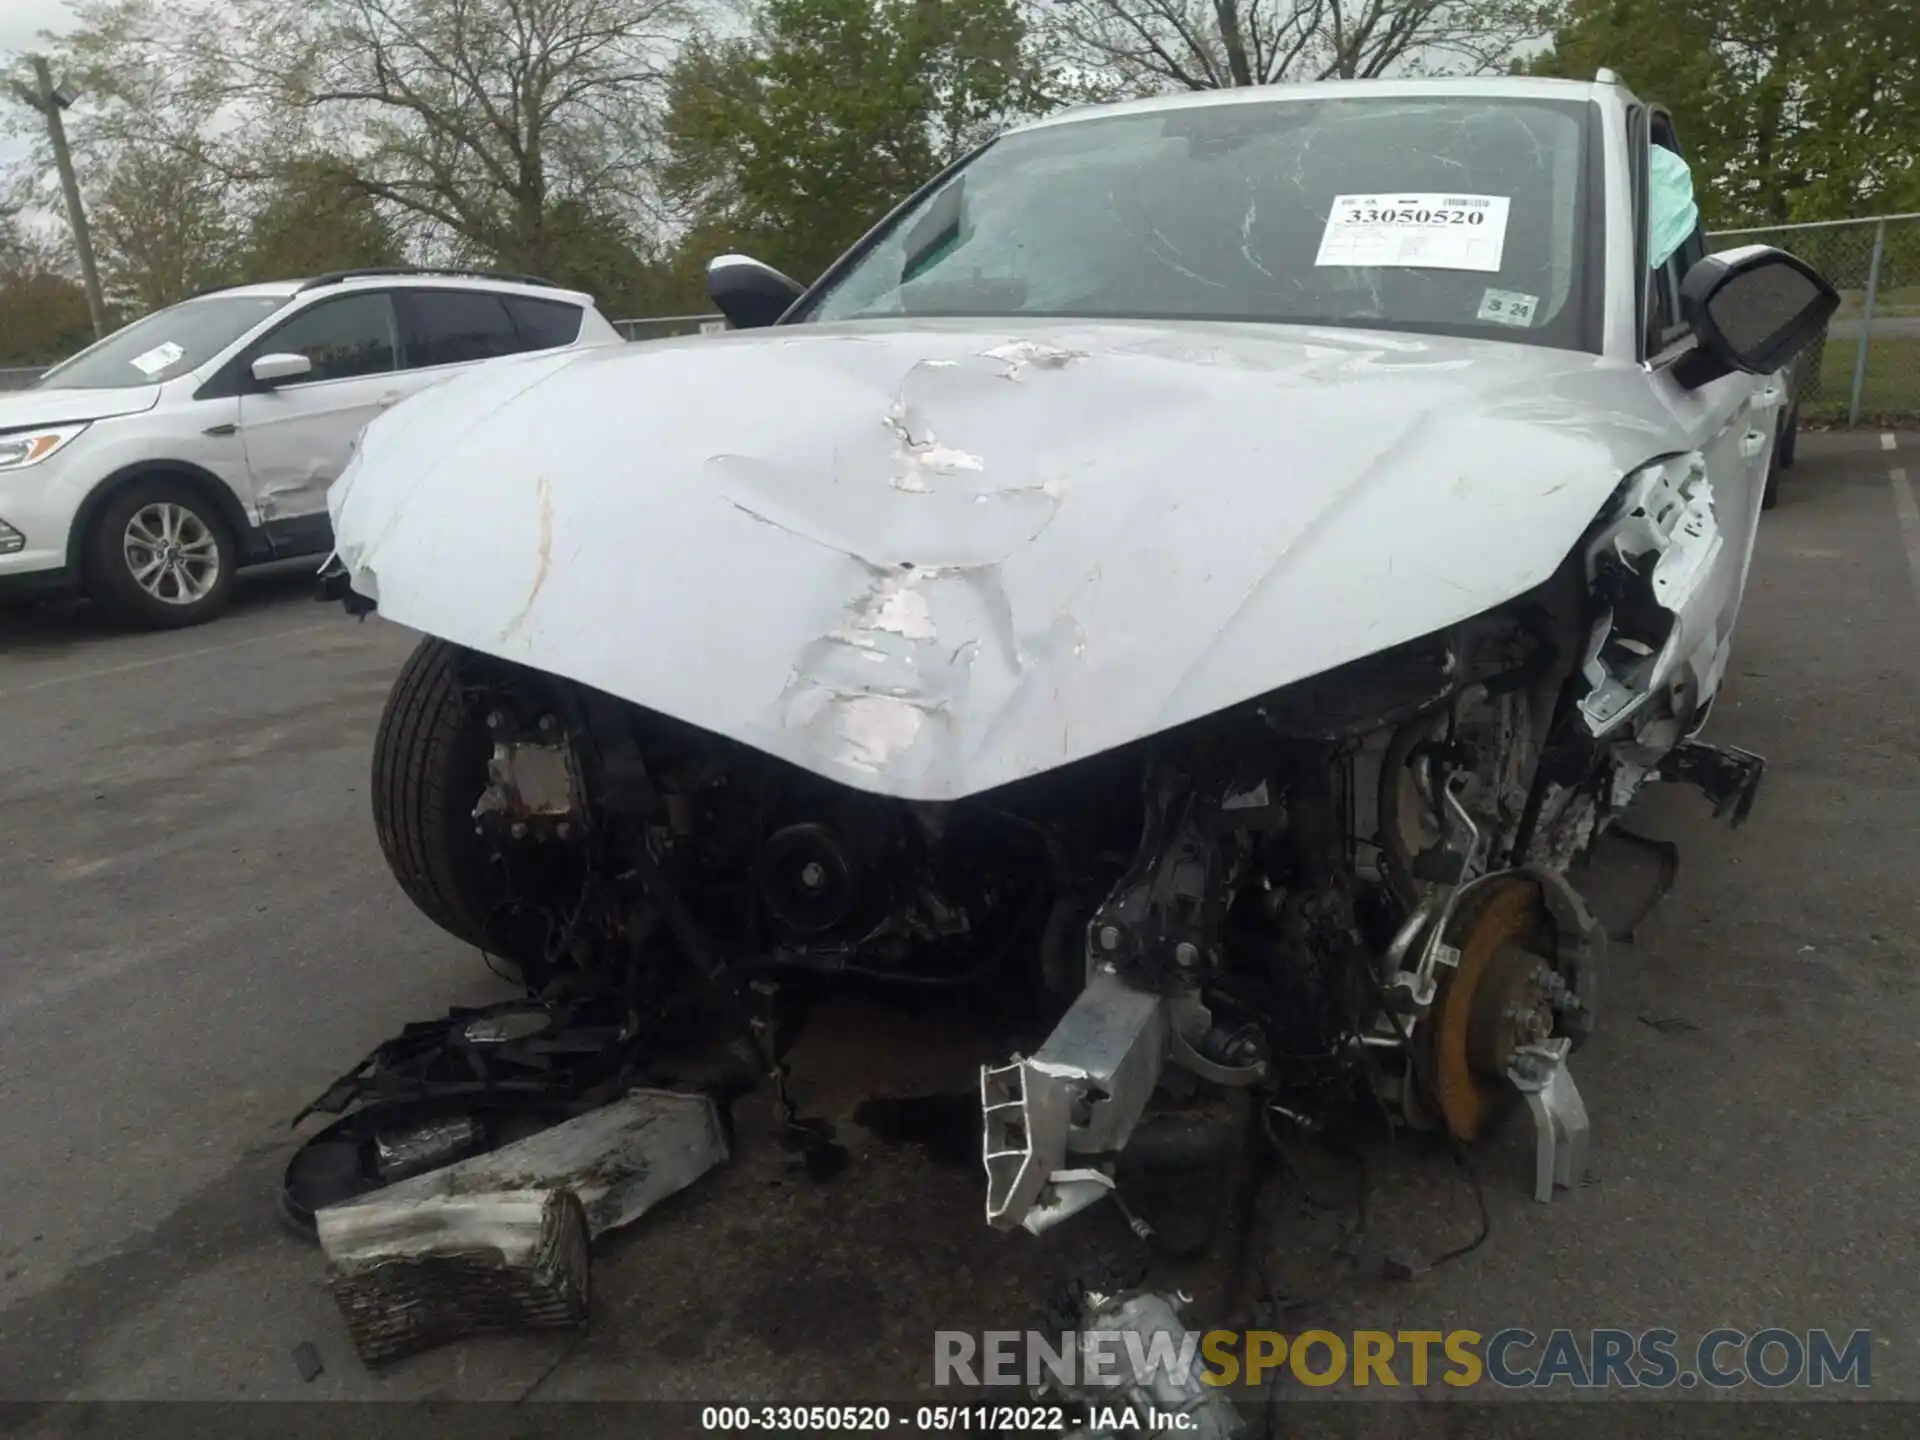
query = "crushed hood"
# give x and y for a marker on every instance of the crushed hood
(929, 558)
(20, 409)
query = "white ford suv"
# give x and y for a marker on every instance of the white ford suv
(147, 469)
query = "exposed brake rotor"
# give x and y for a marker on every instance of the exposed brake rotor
(1502, 994)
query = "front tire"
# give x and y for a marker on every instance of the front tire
(429, 769)
(160, 557)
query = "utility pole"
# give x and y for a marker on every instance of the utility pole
(50, 100)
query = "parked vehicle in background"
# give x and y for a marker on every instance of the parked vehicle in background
(146, 470)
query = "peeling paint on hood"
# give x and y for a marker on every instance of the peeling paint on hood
(929, 558)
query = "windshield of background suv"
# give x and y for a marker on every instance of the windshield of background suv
(1450, 215)
(166, 343)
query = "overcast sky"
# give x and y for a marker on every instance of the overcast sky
(21, 22)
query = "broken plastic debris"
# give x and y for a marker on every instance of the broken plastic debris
(499, 1242)
(306, 1359)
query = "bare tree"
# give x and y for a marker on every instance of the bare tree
(1149, 45)
(151, 81)
(479, 118)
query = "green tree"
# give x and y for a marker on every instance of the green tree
(792, 142)
(161, 226)
(482, 120)
(315, 220)
(43, 311)
(1808, 111)
(600, 253)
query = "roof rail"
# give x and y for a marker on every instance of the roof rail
(462, 272)
(236, 285)
(1604, 76)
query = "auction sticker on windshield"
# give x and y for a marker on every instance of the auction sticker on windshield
(1508, 307)
(1433, 232)
(153, 361)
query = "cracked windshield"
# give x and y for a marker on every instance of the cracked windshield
(1445, 216)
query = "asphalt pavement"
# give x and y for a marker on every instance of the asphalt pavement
(197, 933)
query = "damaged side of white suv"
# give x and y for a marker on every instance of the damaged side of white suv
(1214, 563)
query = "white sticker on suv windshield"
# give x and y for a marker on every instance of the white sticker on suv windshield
(157, 359)
(1508, 307)
(1424, 231)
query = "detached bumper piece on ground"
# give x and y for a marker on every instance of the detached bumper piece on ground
(477, 1157)
(501, 1241)
(443, 1090)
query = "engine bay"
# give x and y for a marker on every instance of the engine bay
(1310, 894)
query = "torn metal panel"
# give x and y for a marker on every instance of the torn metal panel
(1664, 568)
(499, 1240)
(944, 557)
(1540, 1073)
(1082, 1092)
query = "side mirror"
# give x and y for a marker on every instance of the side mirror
(749, 293)
(271, 370)
(1754, 308)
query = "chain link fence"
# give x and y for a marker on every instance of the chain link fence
(1866, 368)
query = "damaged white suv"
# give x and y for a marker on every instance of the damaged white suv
(147, 469)
(1208, 564)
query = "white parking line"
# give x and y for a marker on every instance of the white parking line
(154, 660)
(1903, 502)
(1887, 440)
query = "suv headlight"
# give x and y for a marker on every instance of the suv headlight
(22, 448)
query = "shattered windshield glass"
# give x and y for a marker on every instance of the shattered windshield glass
(163, 345)
(1456, 215)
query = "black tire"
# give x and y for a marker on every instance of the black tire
(196, 576)
(429, 769)
(1781, 458)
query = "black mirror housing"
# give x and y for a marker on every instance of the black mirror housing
(749, 293)
(1753, 309)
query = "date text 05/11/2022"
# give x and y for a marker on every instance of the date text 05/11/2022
(932, 1419)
